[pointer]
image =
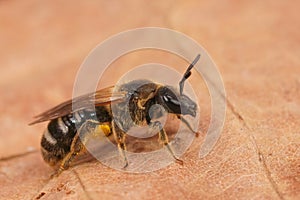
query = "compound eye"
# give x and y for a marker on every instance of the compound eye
(170, 99)
(172, 103)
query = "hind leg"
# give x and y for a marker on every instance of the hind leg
(89, 129)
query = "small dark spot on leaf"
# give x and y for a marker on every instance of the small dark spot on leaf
(40, 195)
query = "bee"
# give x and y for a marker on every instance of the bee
(74, 122)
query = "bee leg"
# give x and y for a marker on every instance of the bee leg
(119, 136)
(77, 145)
(76, 148)
(164, 139)
(188, 125)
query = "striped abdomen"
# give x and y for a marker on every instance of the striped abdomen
(60, 132)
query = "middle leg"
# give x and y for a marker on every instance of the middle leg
(163, 138)
(119, 136)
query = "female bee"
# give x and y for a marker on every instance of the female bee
(113, 110)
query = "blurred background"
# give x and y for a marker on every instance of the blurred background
(255, 45)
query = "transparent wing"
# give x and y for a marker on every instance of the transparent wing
(101, 97)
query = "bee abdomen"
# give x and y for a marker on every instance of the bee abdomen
(58, 136)
(60, 132)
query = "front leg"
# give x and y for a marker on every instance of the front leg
(187, 124)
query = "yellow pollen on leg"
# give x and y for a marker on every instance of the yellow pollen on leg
(102, 129)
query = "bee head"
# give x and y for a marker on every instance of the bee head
(175, 102)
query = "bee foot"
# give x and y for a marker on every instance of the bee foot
(125, 165)
(178, 161)
(55, 174)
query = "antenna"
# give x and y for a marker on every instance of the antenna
(187, 73)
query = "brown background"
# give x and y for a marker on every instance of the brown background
(256, 45)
